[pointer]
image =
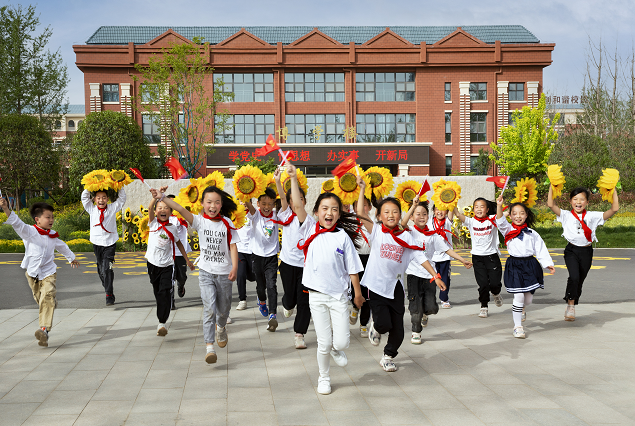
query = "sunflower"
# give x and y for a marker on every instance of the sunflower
(128, 215)
(118, 215)
(607, 183)
(406, 192)
(556, 178)
(271, 183)
(215, 178)
(137, 241)
(189, 197)
(302, 181)
(97, 180)
(446, 194)
(239, 217)
(468, 211)
(327, 186)
(381, 181)
(143, 228)
(125, 236)
(526, 192)
(135, 220)
(249, 182)
(119, 179)
(347, 189)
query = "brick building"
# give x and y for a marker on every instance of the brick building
(420, 100)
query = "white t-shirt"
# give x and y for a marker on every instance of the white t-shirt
(264, 236)
(484, 236)
(434, 243)
(442, 256)
(215, 256)
(160, 251)
(572, 229)
(182, 230)
(108, 235)
(531, 244)
(290, 254)
(245, 235)
(388, 261)
(331, 259)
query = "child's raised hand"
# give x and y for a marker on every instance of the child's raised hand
(156, 194)
(74, 264)
(163, 189)
(499, 200)
(551, 269)
(277, 175)
(415, 201)
(361, 182)
(290, 169)
(3, 203)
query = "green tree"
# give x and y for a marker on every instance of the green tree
(109, 140)
(28, 157)
(482, 163)
(174, 91)
(33, 79)
(524, 147)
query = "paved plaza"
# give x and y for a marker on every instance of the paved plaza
(106, 366)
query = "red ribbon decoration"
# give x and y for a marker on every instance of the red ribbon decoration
(266, 217)
(49, 232)
(222, 219)
(170, 235)
(587, 231)
(286, 222)
(101, 219)
(398, 240)
(305, 247)
(516, 232)
(485, 219)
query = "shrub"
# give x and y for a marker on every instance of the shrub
(582, 158)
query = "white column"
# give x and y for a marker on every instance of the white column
(532, 93)
(126, 106)
(464, 126)
(503, 105)
(95, 97)
(403, 170)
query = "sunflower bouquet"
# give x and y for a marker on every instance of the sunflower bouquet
(239, 216)
(215, 178)
(302, 181)
(381, 181)
(556, 178)
(461, 232)
(526, 192)
(249, 182)
(97, 180)
(406, 193)
(119, 179)
(347, 189)
(446, 194)
(607, 183)
(190, 196)
(327, 186)
(134, 227)
(271, 183)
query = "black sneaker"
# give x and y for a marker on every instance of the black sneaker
(181, 289)
(110, 300)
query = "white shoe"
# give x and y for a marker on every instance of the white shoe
(498, 299)
(299, 341)
(363, 331)
(221, 336)
(210, 356)
(388, 364)
(569, 313)
(424, 320)
(161, 330)
(373, 336)
(242, 305)
(483, 313)
(416, 338)
(287, 313)
(353, 317)
(445, 305)
(339, 357)
(519, 332)
(324, 385)
(229, 320)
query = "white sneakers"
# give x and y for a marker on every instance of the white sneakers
(363, 331)
(324, 385)
(519, 332)
(242, 305)
(339, 357)
(498, 299)
(445, 305)
(353, 316)
(161, 330)
(287, 312)
(221, 336)
(299, 341)
(388, 364)
(569, 313)
(416, 338)
(373, 336)
(229, 320)
(483, 313)
(210, 356)
(424, 320)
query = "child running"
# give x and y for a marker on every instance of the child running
(485, 254)
(391, 252)
(363, 312)
(441, 223)
(527, 253)
(292, 263)
(330, 264)
(218, 262)
(181, 261)
(163, 240)
(422, 292)
(245, 264)
(578, 228)
(40, 243)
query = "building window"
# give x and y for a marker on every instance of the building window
(247, 129)
(71, 125)
(478, 91)
(510, 118)
(448, 127)
(473, 159)
(386, 127)
(448, 165)
(111, 93)
(314, 87)
(151, 131)
(318, 128)
(385, 87)
(58, 124)
(448, 91)
(246, 87)
(478, 127)
(516, 91)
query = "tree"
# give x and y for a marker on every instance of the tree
(482, 163)
(28, 158)
(33, 79)
(524, 147)
(174, 91)
(109, 140)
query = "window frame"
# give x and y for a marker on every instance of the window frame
(362, 80)
(447, 95)
(477, 91)
(477, 122)
(448, 156)
(333, 130)
(242, 123)
(448, 122)
(254, 83)
(149, 138)
(516, 91)
(334, 80)
(104, 93)
(409, 133)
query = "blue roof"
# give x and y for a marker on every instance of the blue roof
(76, 109)
(287, 35)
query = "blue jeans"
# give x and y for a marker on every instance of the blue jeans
(216, 293)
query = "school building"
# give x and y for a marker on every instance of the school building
(418, 99)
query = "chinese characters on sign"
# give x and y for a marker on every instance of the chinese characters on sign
(391, 154)
(564, 99)
(350, 133)
(283, 133)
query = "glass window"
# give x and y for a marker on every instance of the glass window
(478, 127)
(247, 129)
(151, 130)
(473, 159)
(58, 124)
(448, 91)
(318, 128)
(516, 91)
(314, 87)
(386, 127)
(448, 165)
(246, 87)
(111, 93)
(478, 91)
(71, 124)
(448, 127)
(385, 87)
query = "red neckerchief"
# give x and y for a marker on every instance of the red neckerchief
(286, 222)
(360, 231)
(517, 232)
(266, 217)
(587, 231)
(50, 233)
(425, 231)
(101, 218)
(305, 247)
(181, 221)
(394, 234)
(484, 219)
(222, 219)
(170, 235)
(439, 228)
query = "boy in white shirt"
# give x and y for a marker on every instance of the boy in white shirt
(181, 260)
(40, 243)
(104, 235)
(245, 264)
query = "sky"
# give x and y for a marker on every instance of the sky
(569, 24)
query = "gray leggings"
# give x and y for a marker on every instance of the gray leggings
(216, 292)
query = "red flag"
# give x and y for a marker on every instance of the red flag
(270, 146)
(500, 181)
(137, 173)
(424, 188)
(345, 166)
(177, 171)
(290, 156)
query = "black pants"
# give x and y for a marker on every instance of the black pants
(444, 269)
(364, 311)
(161, 280)
(578, 260)
(295, 294)
(488, 272)
(388, 318)
(105, 258)
(266, 271)
(245, 273)
(180, 270)
(422, 299)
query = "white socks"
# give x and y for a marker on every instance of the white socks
(520, 300)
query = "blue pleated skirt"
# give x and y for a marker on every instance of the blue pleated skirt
(523, 274)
